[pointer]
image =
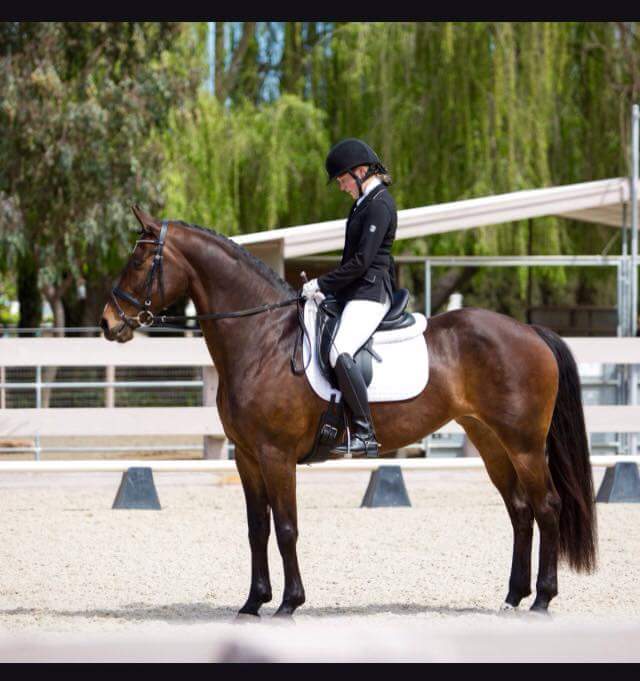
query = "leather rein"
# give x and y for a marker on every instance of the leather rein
(146, 318)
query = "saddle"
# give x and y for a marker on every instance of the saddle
(328, 323)
(331, 424)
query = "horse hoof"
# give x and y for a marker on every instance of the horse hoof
(507, 607)
(539, 610)
(244, 617)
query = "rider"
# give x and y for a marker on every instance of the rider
(364, 280)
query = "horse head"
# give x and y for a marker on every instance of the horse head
(154, 277)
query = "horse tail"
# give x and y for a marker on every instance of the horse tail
(568, 456)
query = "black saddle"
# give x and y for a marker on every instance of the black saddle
(328, 322)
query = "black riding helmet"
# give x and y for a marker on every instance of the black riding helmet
(348, 154)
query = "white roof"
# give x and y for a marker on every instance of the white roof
(600, 201)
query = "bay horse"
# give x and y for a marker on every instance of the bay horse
(514, 388)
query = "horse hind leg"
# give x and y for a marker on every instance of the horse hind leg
(503, 476)
(527, 454)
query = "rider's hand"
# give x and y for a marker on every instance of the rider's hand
(310, 289)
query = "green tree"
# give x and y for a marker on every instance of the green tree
(79, 102)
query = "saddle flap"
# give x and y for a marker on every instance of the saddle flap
(327, 324)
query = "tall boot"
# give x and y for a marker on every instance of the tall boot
(354, 391)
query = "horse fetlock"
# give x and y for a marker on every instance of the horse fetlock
(293, 600)
(547, 588)
(515, 596)
(518, 589)
(540, 606)
(266, 596)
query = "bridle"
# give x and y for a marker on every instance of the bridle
(144, 317)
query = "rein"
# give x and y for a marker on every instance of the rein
(227, 315)
(146, 318)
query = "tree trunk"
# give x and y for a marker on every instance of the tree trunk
(97, 295)
(54, 296)
(292, 81)
(219, 61)
(29, 294)
(448, 283)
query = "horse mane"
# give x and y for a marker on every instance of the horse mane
(258, 265)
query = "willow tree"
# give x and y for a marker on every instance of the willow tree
(456, 110)
(472, 109)
(245, 168)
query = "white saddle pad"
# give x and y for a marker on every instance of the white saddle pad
(402, 374)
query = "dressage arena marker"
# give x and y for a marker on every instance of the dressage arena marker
(386, 488)
(137, 490)
(621, 484)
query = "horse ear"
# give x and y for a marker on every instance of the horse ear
(145, 220)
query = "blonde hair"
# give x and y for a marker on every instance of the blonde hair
(382, 174)
(385, 178)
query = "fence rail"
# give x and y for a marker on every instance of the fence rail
(203, 421)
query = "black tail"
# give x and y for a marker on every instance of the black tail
(568, 452)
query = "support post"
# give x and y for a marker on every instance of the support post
(427, 288)
(214, 447)
(3, 391)
(633, 194)
(110, 391)
(38, 447)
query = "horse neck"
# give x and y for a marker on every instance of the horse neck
(223, 281)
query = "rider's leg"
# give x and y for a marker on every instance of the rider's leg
(359, 320)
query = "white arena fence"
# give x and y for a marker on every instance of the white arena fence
(204, 421)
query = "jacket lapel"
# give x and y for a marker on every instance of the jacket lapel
(374, 192)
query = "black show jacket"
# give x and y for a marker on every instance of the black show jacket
(366, 268)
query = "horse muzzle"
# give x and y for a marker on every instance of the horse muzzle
(119, 332)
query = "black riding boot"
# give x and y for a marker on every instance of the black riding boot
(354, 391)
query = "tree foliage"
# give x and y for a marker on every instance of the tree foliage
(94, 116)
(79, 104)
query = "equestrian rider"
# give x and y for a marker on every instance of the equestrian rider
(364, 280)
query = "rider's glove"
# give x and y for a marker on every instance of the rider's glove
(312, 290)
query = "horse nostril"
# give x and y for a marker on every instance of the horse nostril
(104, 324)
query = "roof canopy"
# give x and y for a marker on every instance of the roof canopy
(601, 202)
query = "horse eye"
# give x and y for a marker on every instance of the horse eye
(138, 264)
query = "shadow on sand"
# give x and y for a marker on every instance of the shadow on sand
(205, 612)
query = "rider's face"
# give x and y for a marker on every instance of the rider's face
(348, 184)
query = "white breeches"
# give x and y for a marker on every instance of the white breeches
(360, 318)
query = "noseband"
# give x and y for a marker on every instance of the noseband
(144, 317)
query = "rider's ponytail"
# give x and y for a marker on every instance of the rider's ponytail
(381, 172)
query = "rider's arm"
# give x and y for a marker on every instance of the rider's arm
(374, 229)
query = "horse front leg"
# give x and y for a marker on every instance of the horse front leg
(279, 475)
(258, 519)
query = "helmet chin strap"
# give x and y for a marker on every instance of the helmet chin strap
(370, 171)
(358, 181)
